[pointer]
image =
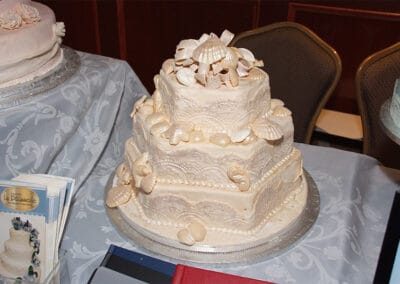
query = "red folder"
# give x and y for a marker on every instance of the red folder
(192, 275)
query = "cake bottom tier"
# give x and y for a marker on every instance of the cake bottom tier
(283, 229)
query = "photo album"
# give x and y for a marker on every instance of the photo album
(33, 213)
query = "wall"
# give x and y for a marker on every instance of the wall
(145, 33)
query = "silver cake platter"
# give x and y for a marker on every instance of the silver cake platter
(15, 94)
(389, 126)
(247, 252)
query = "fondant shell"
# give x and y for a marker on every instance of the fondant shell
(196, 136)
(210, 51)
(240, 135)
(123, 174)
(220, 139)
(226, 37)
(185, 76)
(159, 128)
(239, 176)
(185, 237)
(247, 54)
(157, 101)
(231, 59)
(168, 66)
(197, 231)
(137, 105)
(118, 195)
(148, 182)
(266, 130)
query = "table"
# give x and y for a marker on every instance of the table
(79, 128)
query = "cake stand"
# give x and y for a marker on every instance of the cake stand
(389, 126)
(15, 94)
(249, 252)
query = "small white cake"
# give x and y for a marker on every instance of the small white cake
(30, 41)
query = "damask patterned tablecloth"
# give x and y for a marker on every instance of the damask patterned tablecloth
(78, 129)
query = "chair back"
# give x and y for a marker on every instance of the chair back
(375, 81)
(303, 69)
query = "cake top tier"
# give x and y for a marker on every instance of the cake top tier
(211, 63)
(16, 13)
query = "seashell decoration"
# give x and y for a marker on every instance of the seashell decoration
(220, 139)
(195, 232)
(185, 76)
(141, 167)
(123, 174)
(159, 128)
(266, 130)
(118, 195)
(168, 66)
(239, 176)
(250, 139)
(138, 104)
(196, 136)
(148, 183)
(241, 135)
(178, 132)
(185, 237)
(211, 62)
(281, 111)
(157, 101)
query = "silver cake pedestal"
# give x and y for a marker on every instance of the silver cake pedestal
(249, 252)
(15, 94)
(389, 126)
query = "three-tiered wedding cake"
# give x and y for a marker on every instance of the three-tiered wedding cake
(211, 158)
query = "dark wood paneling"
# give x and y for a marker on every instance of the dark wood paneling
(145, 33)
(154, 28)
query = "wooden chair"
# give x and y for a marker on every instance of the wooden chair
(375, 81)
(303, 69)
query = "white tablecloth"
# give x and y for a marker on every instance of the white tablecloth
(78, 129)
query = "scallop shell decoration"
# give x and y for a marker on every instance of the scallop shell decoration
(178, 132)
(239, 176)
(118, 195)
(240, 135)
(220, 139)
(185, 76)
(266, 130)
(138, 104)
(123, 175)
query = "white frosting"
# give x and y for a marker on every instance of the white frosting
(31, 44)
(218, 158)
(17, 255)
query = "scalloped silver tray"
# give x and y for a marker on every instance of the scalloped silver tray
(14, 95)
(248, 253)
(389, 126)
